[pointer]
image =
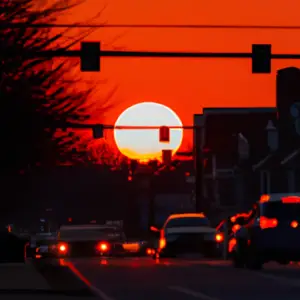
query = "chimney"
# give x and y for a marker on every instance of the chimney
(243, 147)
(272, 136)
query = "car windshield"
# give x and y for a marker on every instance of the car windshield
(283, 211)
(188, 222)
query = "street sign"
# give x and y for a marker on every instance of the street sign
(167, 156)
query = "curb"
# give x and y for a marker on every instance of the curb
(61, 279)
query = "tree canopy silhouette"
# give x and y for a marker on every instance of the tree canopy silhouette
(34, 93)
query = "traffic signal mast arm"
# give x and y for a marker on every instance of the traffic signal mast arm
(152, 54)
(90, 54)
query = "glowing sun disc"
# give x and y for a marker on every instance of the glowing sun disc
(144, 144)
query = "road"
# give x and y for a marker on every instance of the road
(185, 279)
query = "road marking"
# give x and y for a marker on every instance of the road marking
(191, 293)
(80, 276)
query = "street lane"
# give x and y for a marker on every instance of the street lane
(144, 278)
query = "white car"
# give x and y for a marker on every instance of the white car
(89, 240)
(186, 233)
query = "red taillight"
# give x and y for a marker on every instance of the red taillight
(236, 227)
(231, 245)
(294, 224)
(103, 247)
(219, 237)
(62, 248)
(150, 251)
(267, 223)
(291, 199)
(162, 243)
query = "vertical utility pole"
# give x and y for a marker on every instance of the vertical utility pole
(199, 169)
(151, 195)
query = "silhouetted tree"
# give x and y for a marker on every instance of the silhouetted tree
(35, 95)
(105, 154)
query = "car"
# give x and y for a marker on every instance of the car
(271, 233)
(89, 240)
(226, 230)
(186, 233)
(44, 244)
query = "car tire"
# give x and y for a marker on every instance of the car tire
(253, 260)
(237, 260)
(238, 255)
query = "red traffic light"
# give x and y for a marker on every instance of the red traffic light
(98, 132)
(90, 57)
(164, 134)
(261, 58)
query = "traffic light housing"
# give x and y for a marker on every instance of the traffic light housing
(261, 58)
(98, 132)
(164, 134)
(90, 57)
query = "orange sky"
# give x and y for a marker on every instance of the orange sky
(189, 85)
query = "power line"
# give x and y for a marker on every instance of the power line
(158, 26)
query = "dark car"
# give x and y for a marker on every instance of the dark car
(44, 244)
(272, 233)
(12, 247)
(228, 227)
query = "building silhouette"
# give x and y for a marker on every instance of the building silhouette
(287, 102)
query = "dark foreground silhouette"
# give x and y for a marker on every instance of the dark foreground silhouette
(12, 248)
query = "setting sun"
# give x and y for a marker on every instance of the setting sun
(144, 144)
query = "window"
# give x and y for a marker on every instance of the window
(281, 211)
(188, 222)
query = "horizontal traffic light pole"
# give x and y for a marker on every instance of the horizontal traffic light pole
(152, 54)
(92, 126)
(90, 55)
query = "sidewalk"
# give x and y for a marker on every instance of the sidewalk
(18, 276)
(23, 282)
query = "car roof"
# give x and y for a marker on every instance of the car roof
(86, 227)
(278, 197)
(186, 215)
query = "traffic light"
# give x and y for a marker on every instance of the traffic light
(90, 57)
(98, 131)
(261, 58)
(164, 134)
(167, 157)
